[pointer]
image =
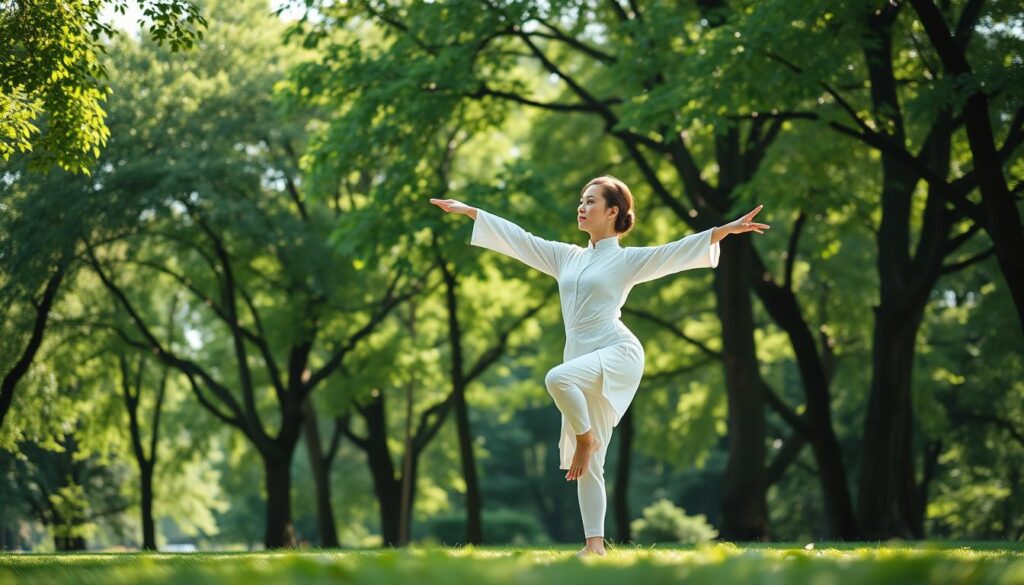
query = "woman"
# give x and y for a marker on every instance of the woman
(603, 360)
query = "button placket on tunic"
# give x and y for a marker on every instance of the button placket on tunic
(601, 276)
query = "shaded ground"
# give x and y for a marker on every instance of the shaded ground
(821, 563)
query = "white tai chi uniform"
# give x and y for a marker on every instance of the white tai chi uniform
(603, 360)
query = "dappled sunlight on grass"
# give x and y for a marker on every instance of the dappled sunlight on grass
(710, 563)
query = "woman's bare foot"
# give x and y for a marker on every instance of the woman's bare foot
(586, 445)
(594, 546)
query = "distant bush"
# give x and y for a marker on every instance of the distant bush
(663, 521)
(501, 526)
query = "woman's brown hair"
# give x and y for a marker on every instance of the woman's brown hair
(616, 194)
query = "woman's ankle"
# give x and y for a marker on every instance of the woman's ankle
(587, 436)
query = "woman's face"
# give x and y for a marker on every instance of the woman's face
(593, 210)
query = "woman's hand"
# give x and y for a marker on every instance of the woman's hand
(740, 226)
(453, 206)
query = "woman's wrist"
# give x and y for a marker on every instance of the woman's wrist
(718, 233)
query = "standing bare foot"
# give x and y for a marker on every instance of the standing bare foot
(586, 445)
(594, 546)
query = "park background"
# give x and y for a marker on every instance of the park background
(231, 319)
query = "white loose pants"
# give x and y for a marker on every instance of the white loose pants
(575, 387)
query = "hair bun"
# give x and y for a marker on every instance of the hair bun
(628, 220)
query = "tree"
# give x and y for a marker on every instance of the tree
(1001, 216)
(133, 379)
(892, 67)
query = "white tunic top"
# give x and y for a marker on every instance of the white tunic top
(593, 284)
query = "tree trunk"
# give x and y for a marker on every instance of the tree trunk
(889, 498)
(622, 477)
(1004, 225)
(321, 478)
(744, 506)
(891, 503)
(888, 503)
(280, 532)
(405, 514)
(887, 487)
(886, 440)
(387, 489)
(413, 469)
(148, 525)
(474, 525)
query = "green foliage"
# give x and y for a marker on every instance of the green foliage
(52, 74)
(663, 521)
(70, 508)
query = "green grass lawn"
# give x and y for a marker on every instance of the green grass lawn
(718, 564)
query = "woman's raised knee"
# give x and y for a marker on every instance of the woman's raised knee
(555, 380)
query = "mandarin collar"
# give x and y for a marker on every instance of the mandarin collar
(605, 242)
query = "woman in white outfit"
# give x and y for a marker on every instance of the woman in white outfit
(603, 361)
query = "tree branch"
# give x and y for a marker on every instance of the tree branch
(667, 374)
(20, 368)
(188, 367)
(237, 335)
(993, 419)
(790, 450)
(389, 302)
(342, 422)
(557, 107)
(335, 441)
(949, 268)
(558, 35)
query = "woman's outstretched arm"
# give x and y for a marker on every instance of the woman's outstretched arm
(644, 263)
(501, 235)
(700, 250)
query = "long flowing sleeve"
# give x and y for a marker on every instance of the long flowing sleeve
(498, 234)
(651, 262)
